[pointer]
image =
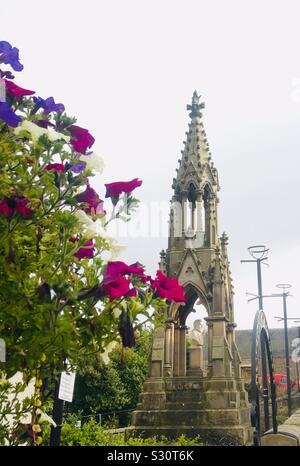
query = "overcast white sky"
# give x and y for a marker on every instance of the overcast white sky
(127, 69)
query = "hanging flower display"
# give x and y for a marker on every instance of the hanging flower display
(56, 282)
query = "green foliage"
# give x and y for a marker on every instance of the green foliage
(92, 434)
(282, 414)
(114, 387)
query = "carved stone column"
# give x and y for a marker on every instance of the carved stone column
(199, 241)
(182, 350)
(230, 328)
(209, 345)
(169, 347)
(176, 351)
(184, 205)
(199, 212)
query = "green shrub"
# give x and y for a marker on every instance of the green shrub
(93, 434)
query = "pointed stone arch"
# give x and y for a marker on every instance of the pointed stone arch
(192, 293)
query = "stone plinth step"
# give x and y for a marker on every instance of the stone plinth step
(187, 417)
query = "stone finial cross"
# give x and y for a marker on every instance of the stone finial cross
(196, 106)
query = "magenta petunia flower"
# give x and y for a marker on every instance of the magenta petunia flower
(168, 288)
(10, 55)
(16, 91)
(56, 167)
(117, 268)
(8, 116)
(145, 278)
(86, 251)
(117, 287)
(5, 209)
(81, 138)
(21, 206)
(115, 189)
(15, 204)
(96, 210)
(132, 293)
(90, 197)
(48, 105)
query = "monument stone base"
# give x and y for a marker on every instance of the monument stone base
(215, 409)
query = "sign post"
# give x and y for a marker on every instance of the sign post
(64, 390)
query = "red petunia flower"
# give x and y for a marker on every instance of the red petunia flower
(81, 138)
(115, 189)
(168, 288)
(57, 167)
(16, 91)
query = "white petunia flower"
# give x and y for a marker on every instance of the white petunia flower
(83, 218)
(108, 349)
(93, 162)
(117, 312)
(116, 248)
(97, 230)
(91, 228)
(45, 418)
(36, 132)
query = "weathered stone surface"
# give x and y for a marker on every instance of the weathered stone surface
(288, 433)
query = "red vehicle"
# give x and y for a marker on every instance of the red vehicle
(280, 381)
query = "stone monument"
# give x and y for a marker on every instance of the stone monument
(174, 400)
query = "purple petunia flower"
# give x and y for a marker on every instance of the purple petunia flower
(79, 167)
(6, 74)
(48, 105)
(10, 55)
(8, 116)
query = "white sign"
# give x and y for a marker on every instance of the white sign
(66, 386)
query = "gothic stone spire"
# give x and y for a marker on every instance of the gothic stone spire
(195, 165)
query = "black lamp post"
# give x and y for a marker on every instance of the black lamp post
(284, 295)
(57, 416)
(260, 255)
